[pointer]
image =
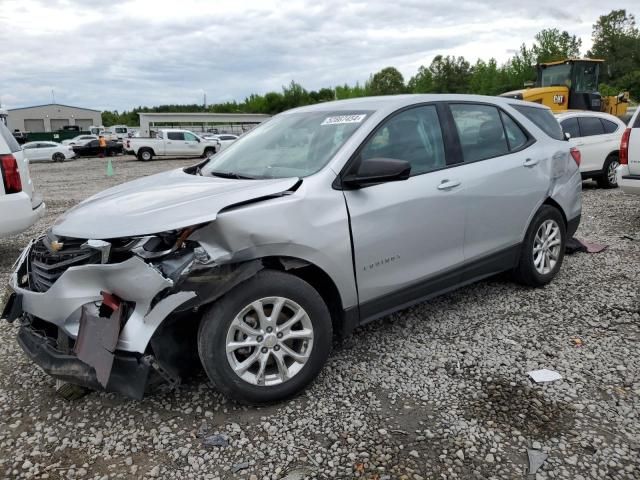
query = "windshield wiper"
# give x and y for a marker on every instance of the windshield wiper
(232, 175)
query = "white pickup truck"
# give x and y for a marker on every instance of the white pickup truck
(171, 143)
(628, 173)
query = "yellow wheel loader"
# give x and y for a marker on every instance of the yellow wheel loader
(571, 84)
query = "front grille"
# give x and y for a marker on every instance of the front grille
(46, 265)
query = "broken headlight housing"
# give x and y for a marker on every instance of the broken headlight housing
(161, 244)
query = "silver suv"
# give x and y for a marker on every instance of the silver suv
(321, 219)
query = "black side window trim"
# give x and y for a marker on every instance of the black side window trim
(577, 125)
(604, 122)
(636, 124)
(355, 157)
(530, 138)
(584, 119)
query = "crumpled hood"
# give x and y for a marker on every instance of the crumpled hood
(161, 202)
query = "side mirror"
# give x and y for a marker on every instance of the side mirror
(567, 136)
(378, 170)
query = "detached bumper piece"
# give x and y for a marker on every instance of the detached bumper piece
(129, 373)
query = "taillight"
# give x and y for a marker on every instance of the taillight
(575, 153)
(623, 156)
(10, 174)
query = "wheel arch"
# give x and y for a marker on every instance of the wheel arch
(144, 149)
(552, 203)
(320, 280)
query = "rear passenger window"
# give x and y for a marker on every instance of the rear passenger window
(516, 138)
(570, 126)
(480, 131)
(609, 126)
(175, 136)
(590, 126)
(413, 135)
(543, 119)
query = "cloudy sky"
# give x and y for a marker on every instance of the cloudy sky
(118, 54)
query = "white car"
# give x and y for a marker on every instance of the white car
(20, 206)
(224, 139)
(628, 173)
(36, 151)
(171, 142)
(80, 140)
(597, 135)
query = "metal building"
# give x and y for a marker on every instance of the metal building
(51, 118)
(153, 120)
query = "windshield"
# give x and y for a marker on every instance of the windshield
(288, 145)
(555, 75)
(586, 77)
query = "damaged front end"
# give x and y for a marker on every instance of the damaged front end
(116, 315)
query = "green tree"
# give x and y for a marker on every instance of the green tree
(519, 69)
(450, 74)
(294, 96)
(486, 79)
(552, 44)
(421, 82)
(388, 81)
(345, 91)
(617, 41)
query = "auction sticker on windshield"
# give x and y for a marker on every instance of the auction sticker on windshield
(338, 119)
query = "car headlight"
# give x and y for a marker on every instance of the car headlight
(161, 244)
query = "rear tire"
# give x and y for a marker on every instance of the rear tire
(273, 373)
(145, 154)
(543, 248)
(608, 178)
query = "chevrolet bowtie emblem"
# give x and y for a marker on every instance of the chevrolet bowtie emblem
(56, 246)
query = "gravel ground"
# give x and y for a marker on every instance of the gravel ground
(435, 391)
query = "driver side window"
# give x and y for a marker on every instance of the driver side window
(413, 135)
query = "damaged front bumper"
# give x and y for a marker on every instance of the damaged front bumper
(114, 326)
(129, 374)
(68, 332)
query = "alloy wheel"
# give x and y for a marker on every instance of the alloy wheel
(546, 247)
(269, 341)
(611, 172)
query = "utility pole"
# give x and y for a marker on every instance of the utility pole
(205, 100)
(53, 96)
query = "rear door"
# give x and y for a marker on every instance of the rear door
(47, 150)
(407, 235)
(593, 144)
(505, 179)
(175, 144)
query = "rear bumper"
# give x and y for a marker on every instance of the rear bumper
(626, 182)
(129, 375)
(17, 213)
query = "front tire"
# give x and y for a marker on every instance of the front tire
(145, 155)
(58, 157)
(209, 152)
(266, 339)
(608, 178)
(543, 248)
